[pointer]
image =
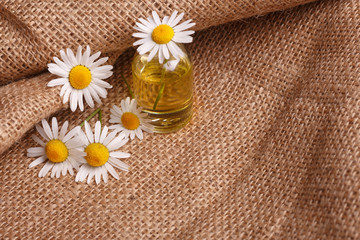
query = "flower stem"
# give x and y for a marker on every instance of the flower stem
(162, 87)
(128, 86)
(97, 111)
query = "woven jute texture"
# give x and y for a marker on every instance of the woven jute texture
(272, 151)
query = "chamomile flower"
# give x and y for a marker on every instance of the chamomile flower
(130, 120)
(101, 156)
(61, 151)
(162, 36)
(81, 77)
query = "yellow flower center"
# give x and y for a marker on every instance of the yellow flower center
(56, 151)
(96, 154)
(130, 121)
(162, 34)
(79, 77)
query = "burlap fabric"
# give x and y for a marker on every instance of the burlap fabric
(272, 151)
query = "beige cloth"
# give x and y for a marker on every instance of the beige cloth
(272, 151)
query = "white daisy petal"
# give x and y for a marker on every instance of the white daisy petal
(104, 174)
(117, 127)
(64, 88)
(165, 51)
(143, 28)
(89, 133)
(74, 143)
(124, 107)
(102, 69)
(141, 41)
(77, 153)
(94, 94)
(42, 132)
(140, 35)
(173, 50)
(75, 163)
(185, 33)
(117, 110)
(156, 18)
(139, 29)
(88, 98)
(151, 21)
(57, 82)
(178, 50)
(37, 161)
(91, 174)
(38, 140)
(97, 131)
(172, 18)
(161, 55)
(71, 134)
(119, 164)
(54, 69)
(55, 129)
(117, 143)
(98, 63)
(103, 75)
(114, 118)
(47, 129)
(71, 57)
(63, 130)
(48, 165)
(70, 169)
(83, 137)
(66, 59)
(82, 173)
(101, 83)
(146, 47)
(54, 170)
(103, 134)
(165, 20)
(119, 155)
(79, 54)
(98, 175)
(109, 138)
(139, 133)
(80, 100)
(67, 95)
(61, 64)
(147, 23)
(92, 58)
(111, 170)
(65, 167)
(132, 135)
(185, 39)
(35, 151)
(183, 26)
(100, 91)
(73, 100)
(176, 20)
(85, 56)
(153, 52)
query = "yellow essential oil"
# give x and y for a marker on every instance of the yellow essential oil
(174, 107)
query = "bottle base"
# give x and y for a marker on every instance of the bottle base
(170, 121)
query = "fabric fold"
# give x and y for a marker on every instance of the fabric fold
(32, 32)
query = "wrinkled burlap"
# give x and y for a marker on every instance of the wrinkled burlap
(272, 151)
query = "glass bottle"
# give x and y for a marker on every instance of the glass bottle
(164, 91)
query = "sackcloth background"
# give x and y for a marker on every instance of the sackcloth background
(272, 151)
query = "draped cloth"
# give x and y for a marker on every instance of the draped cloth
(272, 150)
